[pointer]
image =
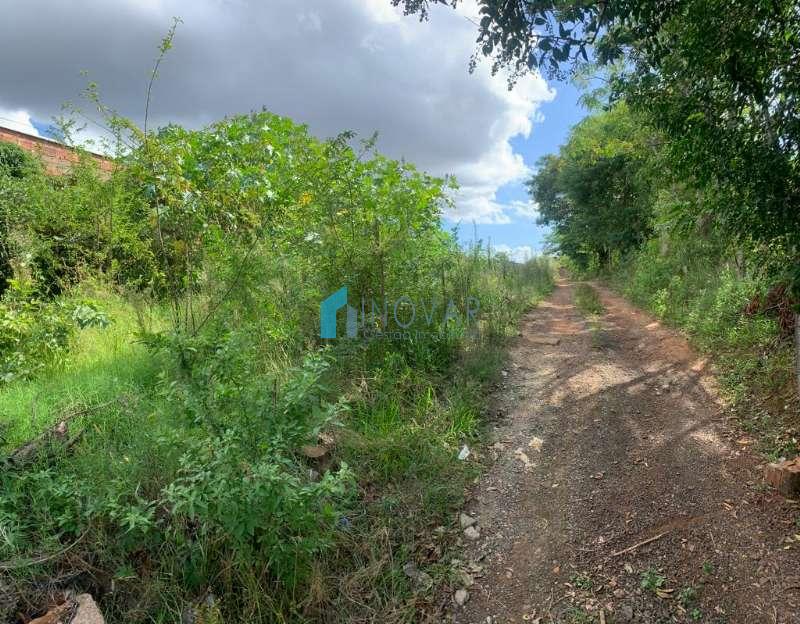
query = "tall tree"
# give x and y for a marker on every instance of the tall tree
(596, 193)
(719, 76)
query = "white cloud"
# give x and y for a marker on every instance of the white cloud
(335, 65)
(19, 120)
(310, 20)
(383, 12)
(525, 209)
(520, 253)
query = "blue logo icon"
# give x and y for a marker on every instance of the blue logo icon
(327, 315)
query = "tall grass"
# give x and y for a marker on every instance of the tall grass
(587, 299)
(223, 462)
(103, 364)
(150, 493)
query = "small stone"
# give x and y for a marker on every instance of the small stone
(545, 340)
(625, 613)
(87, 612)
(314, 451)
(466, 579)
(189, 616)
(536, 443)
(422, 579)
(466, 520)
(461, 596)
(472, 533)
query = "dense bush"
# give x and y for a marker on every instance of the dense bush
(15, 162)
(192, 482)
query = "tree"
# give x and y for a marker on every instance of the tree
(16, 162)
(718, 76)
(596, 193)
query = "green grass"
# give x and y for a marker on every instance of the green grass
(103, 364)
(652, 580)
(587, 300)
(409, 412)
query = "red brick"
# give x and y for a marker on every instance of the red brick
(784, 476)
(57, 158)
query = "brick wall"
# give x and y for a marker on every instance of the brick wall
(56, 158)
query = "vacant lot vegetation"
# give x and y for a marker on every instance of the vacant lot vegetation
(587, 299)
(197, 450)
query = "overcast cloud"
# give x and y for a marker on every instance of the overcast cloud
(333, 64)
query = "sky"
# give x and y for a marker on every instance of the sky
(332, 64)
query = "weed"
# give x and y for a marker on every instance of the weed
(582, 581)
(687, 596)
(175, 305)
(652, 580)
(587, 299)
(576, 615)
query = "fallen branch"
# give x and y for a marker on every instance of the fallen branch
(26, 453)
(6, 566)
(640, 544)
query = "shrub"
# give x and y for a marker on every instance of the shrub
(15, 162)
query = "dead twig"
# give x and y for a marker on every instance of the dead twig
(58, 433)
(6, 566)
(640, 544)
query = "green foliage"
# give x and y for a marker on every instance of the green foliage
(86, 314)
(587, 299)
(15, 162)
(717, 79)
(33, 334)
(652, 580)
(595, 193)
(246, 509)
(582, 581)
(687, 597)
(194, 273)
(59, 230)
(578, 615)
(726, 94)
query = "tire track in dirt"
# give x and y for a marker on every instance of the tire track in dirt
(610, 438)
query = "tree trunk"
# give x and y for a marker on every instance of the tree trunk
(797, 347)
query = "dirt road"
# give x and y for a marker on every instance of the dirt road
(619, 490)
